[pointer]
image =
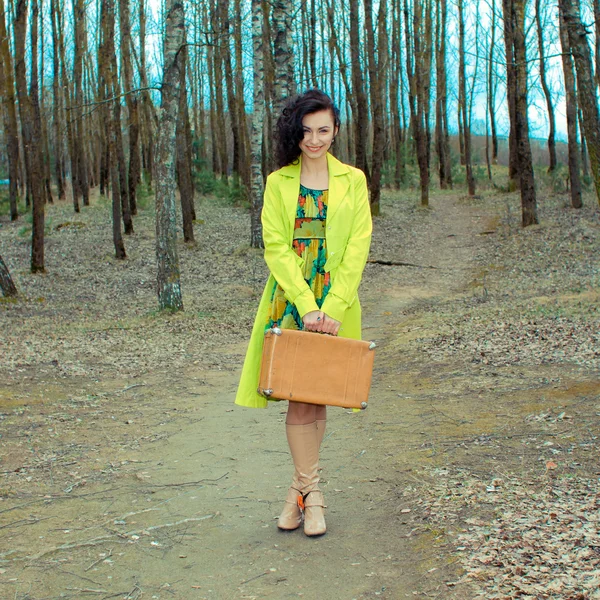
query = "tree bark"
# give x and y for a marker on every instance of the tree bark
(491, 86)
(571, 101)
(514, 14)
(257, 187)
(183, 170)
(7, 89)
(132, 104)
(586, 87)
(442, 139)
(283, 56)
(30, 126)
(168, 274)
(377, 63)
(79, 20)
(545, 88)
(7, 285)
(511, 93)
(59, 160)
(106, 53)
(360, 108)
(466, 118)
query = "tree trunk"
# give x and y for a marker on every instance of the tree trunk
(184, 173)
(551, 118)
(511, 93)
(466, 119)
(571, 100)
(59, 160)
(132, 104)
(240, 97)
(7, 285)
(514, 12)
(283, 56)
(257, 187)
(79, 20)
(168, 275)
(360, 108)
(586, 88)
(30, 126)
(442, 142)
(11, 133)
(491, 87)
(106, 53)
(377, 62)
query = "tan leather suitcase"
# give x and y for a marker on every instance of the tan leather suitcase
(316, 368)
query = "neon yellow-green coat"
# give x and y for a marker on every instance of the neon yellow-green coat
(348, 237)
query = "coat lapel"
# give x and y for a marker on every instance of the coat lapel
(339, 182)
(290, 189)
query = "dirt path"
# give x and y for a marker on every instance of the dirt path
(159, 487)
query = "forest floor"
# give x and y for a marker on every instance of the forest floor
(127, 471)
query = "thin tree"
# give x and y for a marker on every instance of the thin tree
(545, 88)
(184, 167)
(256, 188)
(571, 101)
(106, 50)
(57, 106)
(377, 65)
(464, 104)
(511, 92)
(491, 83)
(442, 137)
(7, 89)
(360, 108)
(419, 50)
(514, 17)
(586, 87)
(168, 274)
(30, 126)
(131, 99)
(283, 57)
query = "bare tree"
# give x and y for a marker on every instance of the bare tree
(514, 29)
(30, 126)
(442, 137)
(545, 88)
(464, 104)
(571, 101)
(377, 64)
(256, 189)
(360, 106)
(586, 87)
(7, 89)
(168, 275)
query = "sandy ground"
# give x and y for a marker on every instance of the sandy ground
(129, 473)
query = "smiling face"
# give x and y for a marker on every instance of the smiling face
(319, 131)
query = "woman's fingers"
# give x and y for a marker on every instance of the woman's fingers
(330, 326)
(313, 321)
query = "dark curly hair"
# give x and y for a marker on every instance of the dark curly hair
(289, 125)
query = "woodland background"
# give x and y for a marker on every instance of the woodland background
(124, 96)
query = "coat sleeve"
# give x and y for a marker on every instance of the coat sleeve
(347, 277)
(282, 261)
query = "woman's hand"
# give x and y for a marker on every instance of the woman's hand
(330, 326)
(313, 320)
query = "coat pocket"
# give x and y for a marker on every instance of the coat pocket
(333, 261)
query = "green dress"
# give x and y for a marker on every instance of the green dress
(309, 243)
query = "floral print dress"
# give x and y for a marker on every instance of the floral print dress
(309, 243)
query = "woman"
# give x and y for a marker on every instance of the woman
(317, 231)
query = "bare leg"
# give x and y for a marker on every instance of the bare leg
(300, 413)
